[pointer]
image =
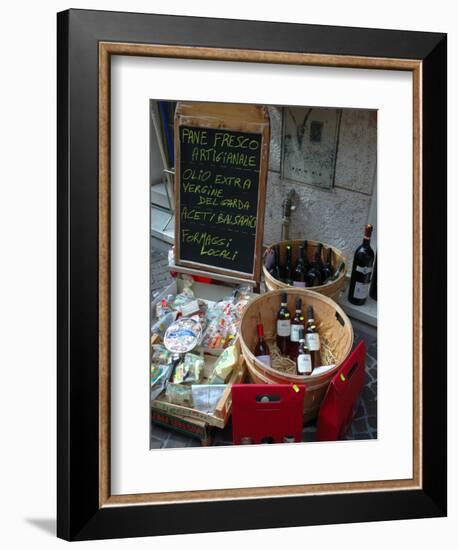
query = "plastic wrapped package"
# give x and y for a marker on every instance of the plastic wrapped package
(186, 295)
(164, 306)
(215, 335)
(224, 365)
(205, 397)
(183, 335)
(162, 324)
(160, 355)
(224, 319)
(160, 374)
(179, 394)
(194, 368)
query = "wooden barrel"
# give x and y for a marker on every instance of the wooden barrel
(332, 289)
(336, 334)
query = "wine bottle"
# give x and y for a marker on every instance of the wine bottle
(297, 324)
(306, 258)
(261, 351)
(338, 271)
(317, 262)
(275, 270)
(313, 276)
(373, 290)
(283, 325)
(361, 272)
(299, 272)
(303, 360)
(326, 268)
(313, 338)
(288, 267)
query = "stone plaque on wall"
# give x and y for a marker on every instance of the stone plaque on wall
(309, 145)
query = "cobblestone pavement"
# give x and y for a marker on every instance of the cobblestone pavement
(160, 276)
(364, 425)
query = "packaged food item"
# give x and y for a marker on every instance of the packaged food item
(179, 394)
(205, 397)
(160, 374)
(183, 335)
(179, 373)
(190, 308)
(215, 334)
(164, 306)
(160, 355)
(186, 295)
(161, 325)
(194, 367)
(242, 298)
(223, 319)
(224, 365)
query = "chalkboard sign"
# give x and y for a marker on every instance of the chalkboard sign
(220, 186)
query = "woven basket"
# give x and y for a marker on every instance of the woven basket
(332, 289)
(336, 335)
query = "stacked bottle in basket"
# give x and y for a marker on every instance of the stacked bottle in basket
(297, 338)
(304, 273)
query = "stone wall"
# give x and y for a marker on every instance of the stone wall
(335, 216)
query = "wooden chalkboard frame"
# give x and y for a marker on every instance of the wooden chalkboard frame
(86, 507)
(193, 114)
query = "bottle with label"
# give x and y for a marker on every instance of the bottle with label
(312, 338)
(362, 270)
(326, 268)
(303, 361)
(283, 325)
(297, 324)
(288, 267)
(299, 272)
(261, 351)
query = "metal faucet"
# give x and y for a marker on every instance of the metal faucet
(289, 205)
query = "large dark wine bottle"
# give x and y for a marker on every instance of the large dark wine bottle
(373, 290)
(361, 272)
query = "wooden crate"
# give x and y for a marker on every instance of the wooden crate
(190, 427)
(222, 412)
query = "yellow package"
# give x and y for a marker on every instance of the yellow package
(224, 365)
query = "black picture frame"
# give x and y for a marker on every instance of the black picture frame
(79, 514)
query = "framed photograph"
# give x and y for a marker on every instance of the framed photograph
(249, 333)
